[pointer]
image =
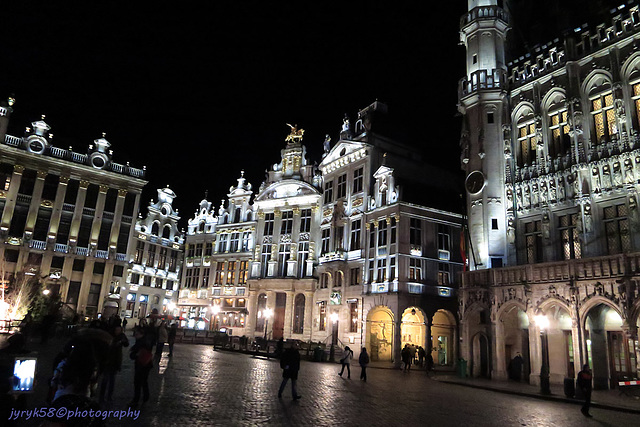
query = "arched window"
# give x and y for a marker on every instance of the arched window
(527, 142)
(559, 127)
(298, 314)
(155, 228)
(201, 227)
(262, 304)
(166, 231)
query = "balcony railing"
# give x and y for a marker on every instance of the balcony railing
(82, 251)
(482, 80)
(604, 267)
(121, 257)
(102, 254)
(38, 244)
(59, 247)
(484, 12)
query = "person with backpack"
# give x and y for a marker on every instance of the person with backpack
(290, 364)
(346, 361)
(364, 361)
(141, 353)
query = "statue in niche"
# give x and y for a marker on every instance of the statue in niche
(527, 197)
(519, 197)
(560, 188)
(617, 175)
(606, 177)
(535, 196)
(509, 194)
(546, 225)
(576, 184)
(588, 221)
(511, 230)
(595, 179)
(552, 190)
(543, 192)
(628, 171)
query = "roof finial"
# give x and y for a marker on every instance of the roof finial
(206, 194)
(104, 134)
(242, 173)
(43, 116)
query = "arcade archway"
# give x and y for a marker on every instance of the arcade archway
(443, 340)
(380, 334)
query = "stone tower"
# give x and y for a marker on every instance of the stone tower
(485, 139)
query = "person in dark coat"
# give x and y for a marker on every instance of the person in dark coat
(585, 379)
(113, 364)
(143, 357)
(421, 354)
(405, 354)
(364, 361)
(290, 364)
(515, 367)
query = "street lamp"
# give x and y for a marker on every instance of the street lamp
(334, 335)
(215, 310)
(543, 323)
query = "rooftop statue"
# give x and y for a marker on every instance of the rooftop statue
(295, 135)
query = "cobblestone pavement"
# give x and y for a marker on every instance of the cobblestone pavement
(199, 386)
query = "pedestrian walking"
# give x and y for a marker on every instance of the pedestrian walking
(585, 379)
(171, 337)
(346, 361)
(405, 354)
(124, 324)
(290, 364)
(141, 354)
(163, 337)
(113, 363)
(364, 361)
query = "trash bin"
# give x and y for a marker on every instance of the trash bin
(569, 387)
(462, 368)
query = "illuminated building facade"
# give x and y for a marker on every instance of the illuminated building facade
(387, 262)
(551, 149)
(155, 261)
(219, 248)
(66, 216)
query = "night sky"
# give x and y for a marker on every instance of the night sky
(198, 90)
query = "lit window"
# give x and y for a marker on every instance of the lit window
(604, 117)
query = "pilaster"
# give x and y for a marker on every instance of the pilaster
(11, 197)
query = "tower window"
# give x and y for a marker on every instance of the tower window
(475, 58)
(489, 118)
(494, 223)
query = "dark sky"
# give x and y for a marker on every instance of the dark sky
(198, 90)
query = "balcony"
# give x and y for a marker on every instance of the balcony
(606, 267)
(481, 80)
(82, 251)
(484, 13)
(102, 254)
(59, 247)
(38, 244)
(338, 255)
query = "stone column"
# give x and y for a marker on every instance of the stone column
(97, 219)
(54, 223)
(308, 315)
(288, 314)
(131, 245)
(77, 213)
(11, 196)
(397, 343)
(535, 354)
(117, 220)
(498, 368)
(34, 206)
(87, 275)
(271, 303)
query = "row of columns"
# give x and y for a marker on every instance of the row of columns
(54, 223)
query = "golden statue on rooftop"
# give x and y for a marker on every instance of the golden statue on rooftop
(295, 135)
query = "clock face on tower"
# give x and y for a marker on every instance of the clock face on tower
(474, 182)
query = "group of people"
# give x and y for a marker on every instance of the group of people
(408, 356)
(89, 363)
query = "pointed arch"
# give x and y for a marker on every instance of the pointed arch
(596, 81)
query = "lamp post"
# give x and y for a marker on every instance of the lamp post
(543, 323)
(334, 333)
(215, 310)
